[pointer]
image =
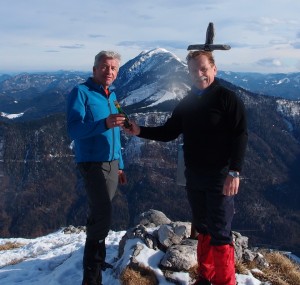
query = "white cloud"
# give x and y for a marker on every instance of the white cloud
(52, 35)
(270, 62)
(173, 44)
(75, 46)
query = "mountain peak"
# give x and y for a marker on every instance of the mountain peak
(159, 51)
(153, 75)
(147, 60)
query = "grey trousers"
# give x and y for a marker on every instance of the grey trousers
(101, 181)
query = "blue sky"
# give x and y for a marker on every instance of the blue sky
(43, 35)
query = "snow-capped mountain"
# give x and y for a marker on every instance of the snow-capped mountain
(277, 85)
(152, 78)
(30, 96)
(30, 85)
(4, 77)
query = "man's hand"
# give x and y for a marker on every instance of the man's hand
(134, 129)
(122, 177)
(231, 185)
(115, 120)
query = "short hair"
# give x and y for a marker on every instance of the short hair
(193, 54)
(106, 53)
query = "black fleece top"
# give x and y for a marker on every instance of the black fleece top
(214, 129)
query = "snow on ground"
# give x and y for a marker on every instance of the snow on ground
(56, 259)
(11, 116)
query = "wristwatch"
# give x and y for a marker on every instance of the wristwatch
(234, 174)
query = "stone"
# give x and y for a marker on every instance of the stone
(140, 232)
(152, 218)
(180, 257)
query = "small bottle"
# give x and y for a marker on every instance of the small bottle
(120, 110)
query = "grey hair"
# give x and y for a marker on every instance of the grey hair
(107, 53)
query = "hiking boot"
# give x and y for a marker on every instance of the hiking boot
(93, 259)
(106, 265)
(202, 282)
(88, 283)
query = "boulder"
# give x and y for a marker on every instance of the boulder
(152, 218)
(181, 257)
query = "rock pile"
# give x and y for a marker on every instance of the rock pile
(176, 251)
(170, 244)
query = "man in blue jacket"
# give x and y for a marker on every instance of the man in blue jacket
(94, 125)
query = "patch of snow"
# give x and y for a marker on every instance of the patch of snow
(11, 116)
(56, 259)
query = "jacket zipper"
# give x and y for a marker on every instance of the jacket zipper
(113, 132)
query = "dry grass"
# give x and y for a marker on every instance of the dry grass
(193, 272)
(138, 276)
(10, 245)
(282, 271)
(241, 268)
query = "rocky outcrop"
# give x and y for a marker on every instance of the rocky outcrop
(173, 248)
(168, 247)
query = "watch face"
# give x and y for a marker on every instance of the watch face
(234, 174)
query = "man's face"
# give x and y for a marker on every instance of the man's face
(106, 71)
(201, 71)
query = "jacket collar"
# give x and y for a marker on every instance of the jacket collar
(97, 87)
(200, 92)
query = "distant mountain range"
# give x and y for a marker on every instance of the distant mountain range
(167, 74)
(40, 190)
(282, 85)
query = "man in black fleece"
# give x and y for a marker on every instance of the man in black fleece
(213, 122)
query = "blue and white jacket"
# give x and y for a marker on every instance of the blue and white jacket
(87, 108)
